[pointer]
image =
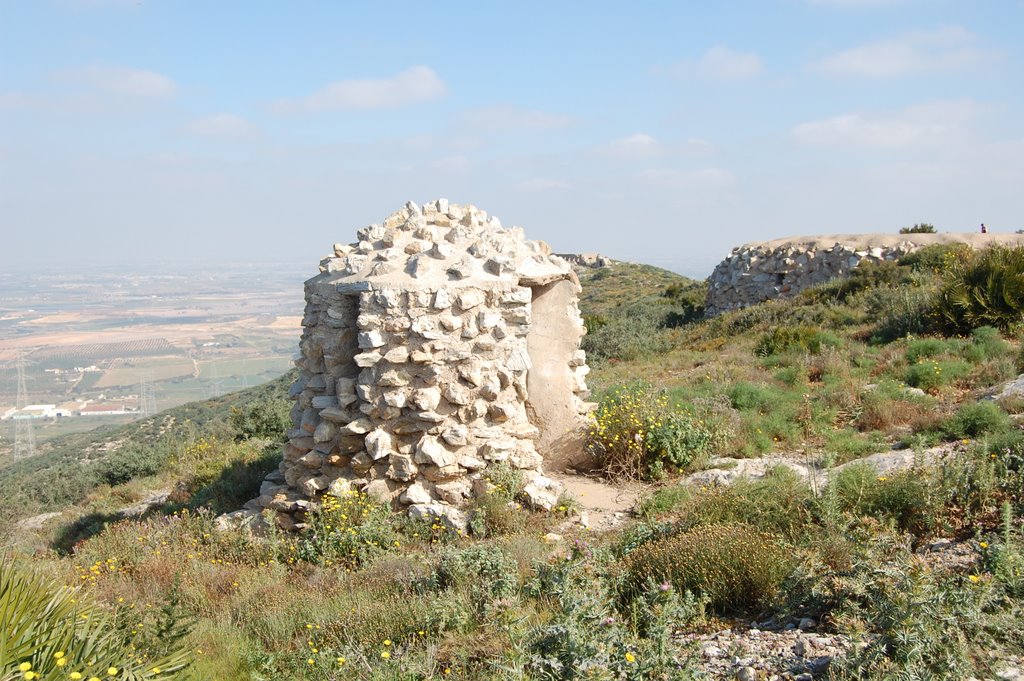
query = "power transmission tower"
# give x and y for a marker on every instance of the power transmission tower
(216, 385)
(24, 433)
(147, 397)
(245, 373)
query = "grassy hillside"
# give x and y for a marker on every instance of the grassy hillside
(920, 570)
(606, 288)
(74, 467)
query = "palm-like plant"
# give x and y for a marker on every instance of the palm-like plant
(986, 290)
(51, 631)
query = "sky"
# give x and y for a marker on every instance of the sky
(159, 131)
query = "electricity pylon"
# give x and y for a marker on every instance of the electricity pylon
(24, 433)
(147, 397)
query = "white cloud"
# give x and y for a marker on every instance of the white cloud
(945, 49)
(222, 125)
(921, 125)
(417, 84)
(639, 145)
(120, 80)
(506, 117)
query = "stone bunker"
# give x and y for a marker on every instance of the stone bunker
(766, 270)
(435, 346)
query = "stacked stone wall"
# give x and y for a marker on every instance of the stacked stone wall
(414, 366)
(757, 272)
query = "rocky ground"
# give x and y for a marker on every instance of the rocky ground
(771, 650)
(767, 650)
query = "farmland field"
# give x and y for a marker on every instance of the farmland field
(130, 372)
(91, 338)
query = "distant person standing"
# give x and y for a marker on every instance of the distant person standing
(984, 229)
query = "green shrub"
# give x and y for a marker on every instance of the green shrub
(496, 512)
(349, 530)
(989, 343)
(52, 631)
(986, 290)
(866, 276)
(847, 444)
(780, 503)
(736, 567)
(266, 417)
(490, 565)
(131, 462)
(629, 332)
(664, 500)
(805, 338)
(584, 637)
(486, 572)
(924, 348)
(919, 228)
(750, 397)
(907, 498)
(935, 258)
(230, 475)
(899, 312)
(688, 301)
(932, 375)
(915, 624)
(637, 434)
(976, 419)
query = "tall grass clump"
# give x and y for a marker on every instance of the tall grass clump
(805, 338)
(781, 503)
(899, 312)
(908, 499)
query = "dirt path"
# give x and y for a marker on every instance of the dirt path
(602, 505)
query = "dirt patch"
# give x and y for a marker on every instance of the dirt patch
(602, 505)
